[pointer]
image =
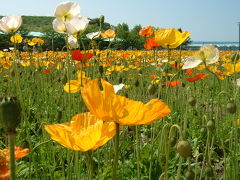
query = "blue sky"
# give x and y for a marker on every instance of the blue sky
(207, 20)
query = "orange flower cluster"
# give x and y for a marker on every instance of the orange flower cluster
(88, 130)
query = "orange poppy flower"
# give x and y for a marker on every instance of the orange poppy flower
(109, 106)
(108, 34)
(170, 38)
(197, 77)
(83, 133)
(173, 83)
(147, 31)
(5, 158)
(150, 43)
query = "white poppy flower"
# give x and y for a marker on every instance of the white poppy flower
(67, 10)
(93, 35)
(59, 26)
(77, 25)
(118, 87)
(208, 54)
(191, 63)
(10, 23)
(72, 41)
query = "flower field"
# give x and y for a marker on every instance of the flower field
(83, 113)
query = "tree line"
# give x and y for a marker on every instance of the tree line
(126, 38)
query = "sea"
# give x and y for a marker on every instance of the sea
(218, 43)
(222, 45)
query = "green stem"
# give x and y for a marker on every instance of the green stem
(90, 164)
(115, 162)
(12, 156)
(138, 154)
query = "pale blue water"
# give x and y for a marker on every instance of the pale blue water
(220, 43)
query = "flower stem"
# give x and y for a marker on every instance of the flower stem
(12, 155)
(89, 164)
(115, 162)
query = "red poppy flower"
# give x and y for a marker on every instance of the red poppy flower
(188, 72)
(47, 71)
(78, 56)
(147, 31)
(197, 77)
(150, 43)
(153, 76)
(173, 83)
(176, 65)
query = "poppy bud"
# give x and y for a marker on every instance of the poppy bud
(101, 19)
(10, 114)
(120, 80)
(151, 89)
(64, 79)
(184, 149)
(5, 80)
(210, 125)
(59, 116)
(231, 107)
(192, 101)
(203, 131)
(189, 175)
(12, 73)
(137, 83)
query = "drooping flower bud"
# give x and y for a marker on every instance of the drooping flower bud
(10, 114)
(184, 149)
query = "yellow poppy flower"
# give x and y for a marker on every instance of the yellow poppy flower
(109, 106)
(83, 133)
(170, 38)
(73, 86)
(17, 39)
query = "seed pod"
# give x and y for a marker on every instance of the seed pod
(10, 114)
(192, 101)
(151, 89)
(210, 125)
(184, 149)
(231, 107)
(189, 175)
